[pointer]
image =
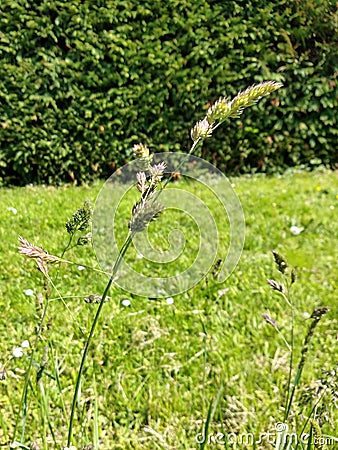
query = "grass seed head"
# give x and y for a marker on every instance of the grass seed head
(269, 320)
(280, 261)
(81, 219)
(201, 130)
(143, 213)
(276, 286)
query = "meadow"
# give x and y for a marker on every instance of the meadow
(159, 370)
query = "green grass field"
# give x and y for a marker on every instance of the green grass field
(155, 368)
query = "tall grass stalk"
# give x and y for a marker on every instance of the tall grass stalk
(284, 290)
(216, 115)
(144, 211)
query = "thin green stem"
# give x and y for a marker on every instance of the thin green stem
(302, 360)
(91, 333)
(309, 415)
(98, 312)
(289, 397)
(68, 245)
(23, 401)
(83, 265)
(283, 339)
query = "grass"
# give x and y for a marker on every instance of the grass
(155, 368)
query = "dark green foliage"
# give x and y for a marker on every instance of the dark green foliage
(82, 81)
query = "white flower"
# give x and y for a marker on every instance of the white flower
(25, 344)
(125, 302)
(17, 352)
(296, 230)
(139, 256)
(170, 301)
(11, 208)
(80, 268)
(29, 292)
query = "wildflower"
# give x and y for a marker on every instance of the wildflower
(34, 446)
(170, 301)
(318, 188)
(80, 268)
(28, 292)
(25, 344)
(17, 352)
(12, 209)
(41, 257)
(296, 230)
(125, 302)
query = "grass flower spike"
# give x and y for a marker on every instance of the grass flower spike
(41, 257)
(147, 209)
(219, 110)
(276, 286)
(201, 130)
(224, 108)
(157, 172)
(143, 213)
(142, 181)
(81, 219)
(268, 319)
(141, 152)
(251, 95)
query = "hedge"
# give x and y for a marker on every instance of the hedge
(82, 81)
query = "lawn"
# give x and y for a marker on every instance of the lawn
(155, 367)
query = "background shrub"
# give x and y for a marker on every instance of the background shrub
(81, 82)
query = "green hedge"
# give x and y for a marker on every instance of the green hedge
(82, 81)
